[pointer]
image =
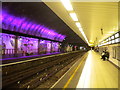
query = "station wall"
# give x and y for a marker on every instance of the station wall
(114, 51)
(26, 46)
(17, 46)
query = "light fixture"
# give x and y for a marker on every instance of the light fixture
(67, 4)
(106, 39)
(112, 37)
(78, 24)
(110, 42)
(81, 30)
(116, 40)
(90, 44)
(20, 38)
(117, 35)
(74, 16)
(113, 41)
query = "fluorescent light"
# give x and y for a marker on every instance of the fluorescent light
(78, 24)
(67, 4)
(117, 40)
(113, 41)
(110, 42)
(73, 16)
(117, 35)
(81, 30)
(112, 37)
(90, 44)
(106, 39)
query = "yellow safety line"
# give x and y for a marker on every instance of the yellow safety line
(73, 75)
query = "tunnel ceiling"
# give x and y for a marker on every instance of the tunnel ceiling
(40, 13)
(99, 20)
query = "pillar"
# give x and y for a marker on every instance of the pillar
(39, 46)
(16, 46)
(51, 47)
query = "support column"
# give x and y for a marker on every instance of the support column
(39, 46)
(16, 46)
(59, 47)
(51, 47)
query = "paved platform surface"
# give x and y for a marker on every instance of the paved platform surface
(89, 72)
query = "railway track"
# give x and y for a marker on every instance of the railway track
(37, 72)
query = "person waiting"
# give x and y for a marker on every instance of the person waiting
(103, 55)
(107, 55)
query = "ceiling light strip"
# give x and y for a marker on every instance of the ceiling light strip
(74, 16)
(67, 4)
(81, 30)
(78, 24)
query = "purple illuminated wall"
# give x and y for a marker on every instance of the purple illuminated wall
(28, 45)
(55, 46)
(45, 46)
(23, 25)
(8, 41)
(48, 46)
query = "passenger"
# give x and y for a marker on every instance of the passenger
(107, 55)
(103, 55)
